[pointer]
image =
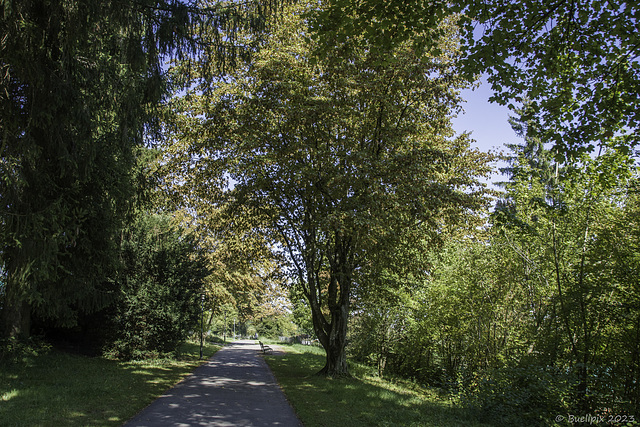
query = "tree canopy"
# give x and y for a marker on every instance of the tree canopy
(575, 62)
(81, 83)
(336, 158)
(311, 147)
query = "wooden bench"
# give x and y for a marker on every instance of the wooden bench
(265, 348)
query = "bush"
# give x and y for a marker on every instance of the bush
(529, 395)
(160, 290)
(275, 326)
(14, 350)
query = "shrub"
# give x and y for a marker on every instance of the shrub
(160, 290)
(528, 395)
(15, 350)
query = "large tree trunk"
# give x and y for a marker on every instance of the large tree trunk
(16, 319)
(334, 344)
(332, 334)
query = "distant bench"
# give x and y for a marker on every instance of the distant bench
(265, 348)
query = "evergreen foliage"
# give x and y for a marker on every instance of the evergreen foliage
(160, 283)
(69, 126)
(81, 83)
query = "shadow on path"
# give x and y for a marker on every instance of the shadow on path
(234, 388)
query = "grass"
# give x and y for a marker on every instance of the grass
(359, 401)
(59, 388)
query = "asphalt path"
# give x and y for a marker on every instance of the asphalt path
(234, 388)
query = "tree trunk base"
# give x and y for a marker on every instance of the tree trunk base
(335, 374)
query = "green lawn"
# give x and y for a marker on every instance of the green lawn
(61, 389)
(359, 401)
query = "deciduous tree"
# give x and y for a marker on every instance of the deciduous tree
(576, 62)
(337, 157)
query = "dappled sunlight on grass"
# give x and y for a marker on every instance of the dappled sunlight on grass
(5, 397)
(70, 390)
(358, 401)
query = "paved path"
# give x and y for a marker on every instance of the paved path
(234, 388)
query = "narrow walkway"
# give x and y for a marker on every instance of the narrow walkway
(234, 388)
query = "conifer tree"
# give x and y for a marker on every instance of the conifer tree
(81, 81)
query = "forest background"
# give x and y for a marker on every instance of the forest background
(296, 162)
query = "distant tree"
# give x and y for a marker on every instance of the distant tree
(301, 312)
(245, 273)
(531, 153)
(222, 318)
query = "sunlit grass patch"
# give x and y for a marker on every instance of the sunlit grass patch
(64, 389)
(358, 401)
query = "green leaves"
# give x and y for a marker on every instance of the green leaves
(571, 57)
(337, 158)
(576, 61)
(160, 288)
(559, 224)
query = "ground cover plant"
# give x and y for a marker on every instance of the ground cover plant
(362, 400)
(48, 387)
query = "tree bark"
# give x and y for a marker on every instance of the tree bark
(334, 344)
(16, 313)
(332, 334)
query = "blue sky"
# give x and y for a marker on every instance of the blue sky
(487, 122)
